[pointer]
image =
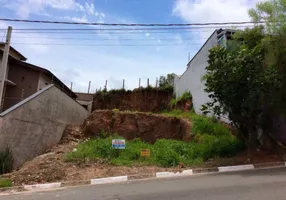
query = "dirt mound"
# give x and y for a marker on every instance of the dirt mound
(48, 167)
(51, 167)
(71, 134)
(131, 125)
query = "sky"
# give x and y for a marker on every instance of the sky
(83, 56)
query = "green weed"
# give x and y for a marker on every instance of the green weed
(6, 161)
(5, 183)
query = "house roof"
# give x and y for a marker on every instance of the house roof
(23, 58)
(84, 96)
(21, 62)
(216, 31)
(47, 72)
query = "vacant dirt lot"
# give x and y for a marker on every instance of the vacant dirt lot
(51, 166)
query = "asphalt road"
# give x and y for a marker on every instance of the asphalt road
(266, 184)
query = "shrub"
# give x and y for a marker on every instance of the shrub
(173, 102)
(5, 183)
(6, 161)
(184, 97)
(207, 125)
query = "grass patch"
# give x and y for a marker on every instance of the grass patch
(5, 183)
(211, 139)
(201, 124)
(165, 153)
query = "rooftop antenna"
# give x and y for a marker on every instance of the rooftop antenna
(189, 57)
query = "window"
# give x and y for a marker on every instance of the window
(222, 41)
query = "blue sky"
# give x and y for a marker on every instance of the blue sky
(166, 53)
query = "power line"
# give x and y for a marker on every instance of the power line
(110, 39)
(123, 29)
(116, 24)
(105, 45)
(113, 32)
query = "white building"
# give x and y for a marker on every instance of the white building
(191, 80)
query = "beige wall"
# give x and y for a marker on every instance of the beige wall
(26, 81)
(11, 52)
(37, 123)
(44, 81)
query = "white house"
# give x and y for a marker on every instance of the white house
(191, 80)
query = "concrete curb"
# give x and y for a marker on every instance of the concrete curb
(116, 179)
(122, 179)
(235, 168)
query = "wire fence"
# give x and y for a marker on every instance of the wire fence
(115, 85)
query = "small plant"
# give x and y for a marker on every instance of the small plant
(173, 102)
(186, 96)
(5, 183)
(6, 161)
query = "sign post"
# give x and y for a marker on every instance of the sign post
(145, 153)
(118, 144)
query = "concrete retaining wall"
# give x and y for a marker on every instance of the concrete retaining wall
(37, 123)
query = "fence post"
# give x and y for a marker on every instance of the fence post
(88, 90)
(123, 83)
(156, 81)
(139, 82)
(105, 87)
(147, 82)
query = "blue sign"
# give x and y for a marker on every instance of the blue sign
(118, 144)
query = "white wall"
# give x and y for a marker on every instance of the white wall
(191, 80)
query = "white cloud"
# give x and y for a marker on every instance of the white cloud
(213, 10)
(89, 7)
(147, 34)
(59, 4)
(203, 11)
(82, 19)
(102, 15)
(24, 8)
(28, 39)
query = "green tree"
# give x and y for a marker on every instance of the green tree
(273, 12)
(241, 85)
(167, 81)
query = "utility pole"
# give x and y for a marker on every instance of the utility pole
(4, 65)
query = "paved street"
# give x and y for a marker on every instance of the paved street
(267, 184)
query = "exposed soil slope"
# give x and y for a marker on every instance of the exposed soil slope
(131, 125)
